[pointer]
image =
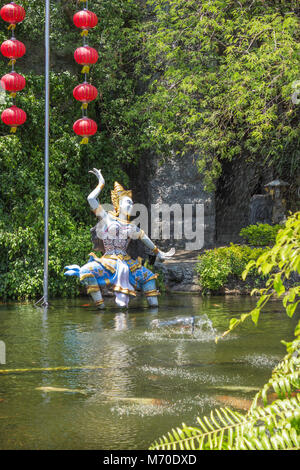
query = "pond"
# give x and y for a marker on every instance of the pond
(119, 380)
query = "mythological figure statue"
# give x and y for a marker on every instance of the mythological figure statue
(116, 268)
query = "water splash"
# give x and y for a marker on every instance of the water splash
(261, 360)
(144, 409)
(200, 328)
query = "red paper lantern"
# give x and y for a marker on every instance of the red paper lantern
(13, 82)
(13, 117)
(85, 127)
(85, 19)
(85, 93)
(12, 13)
(86, 55)
(13, 49)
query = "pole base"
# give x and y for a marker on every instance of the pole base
(42, 303)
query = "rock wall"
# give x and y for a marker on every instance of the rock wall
(176, 182)
(239, 182)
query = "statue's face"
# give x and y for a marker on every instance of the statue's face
(126, 205)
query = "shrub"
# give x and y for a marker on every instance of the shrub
(278, 263)
(260, 234)
(215, 266)
(21, 261)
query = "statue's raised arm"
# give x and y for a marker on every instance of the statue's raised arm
(93, 196)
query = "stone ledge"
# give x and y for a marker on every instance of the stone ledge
(179, 272)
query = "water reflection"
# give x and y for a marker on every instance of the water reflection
(121, 321)
(156, 369)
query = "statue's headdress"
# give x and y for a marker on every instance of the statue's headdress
(116, 194)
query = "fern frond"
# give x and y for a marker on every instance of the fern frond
(275, 427)
(214, 432)
(264, 428)
(284, 380)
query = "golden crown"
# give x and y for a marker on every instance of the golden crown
(117, 193)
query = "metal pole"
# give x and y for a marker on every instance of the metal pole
(47, 99)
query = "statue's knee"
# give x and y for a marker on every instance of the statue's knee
(85, 275)
(149, 286)
(150, 291)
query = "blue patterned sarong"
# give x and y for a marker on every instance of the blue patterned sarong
(119, 271)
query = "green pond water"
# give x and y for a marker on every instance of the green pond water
(130, 376)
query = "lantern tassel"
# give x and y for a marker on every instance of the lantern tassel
(11, 26)
(85, 69)
(84, 32)
(84, 141)
(13, 130)
(84, 105)
(13, 94)
(12, 62)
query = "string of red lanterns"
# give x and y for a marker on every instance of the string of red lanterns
(86, 56)
(13, 50)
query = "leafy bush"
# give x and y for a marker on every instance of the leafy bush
(215, 266)
(173, 77)
(278, 263)
(21, 261)
(260, 234)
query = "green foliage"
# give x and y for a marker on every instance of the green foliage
(215, 266)
(22, 155)
(21, 266)
(260, 234)
(279, 263)
(285, 378)
(210, 78)
(159, 280)
(266, 426)
(220, 82)
(274, 427)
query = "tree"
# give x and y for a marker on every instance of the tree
(220, 82)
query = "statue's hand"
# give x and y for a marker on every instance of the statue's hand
(165, 255)
(98, 173)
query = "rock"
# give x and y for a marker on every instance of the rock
(141, 401)
(60, 389)
(179, 272)
(235, 402)
(175, 181)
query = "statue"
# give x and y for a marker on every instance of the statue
(116, 268)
